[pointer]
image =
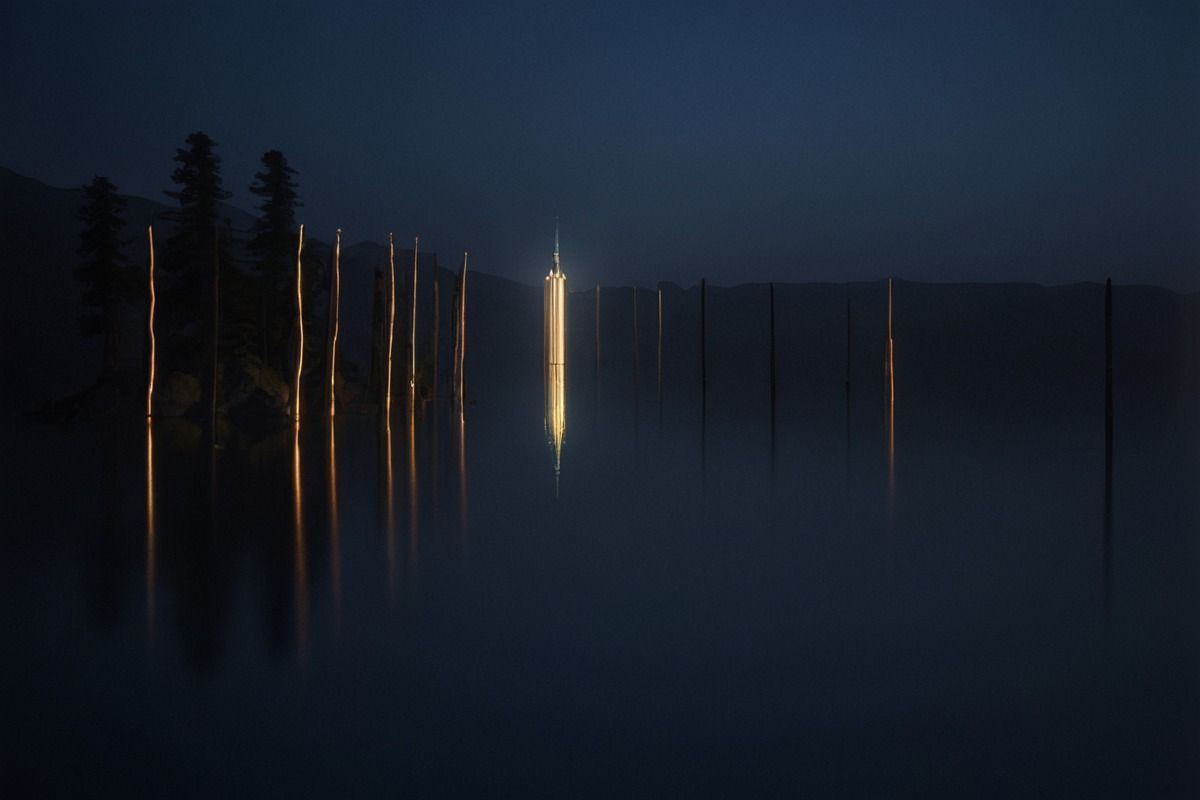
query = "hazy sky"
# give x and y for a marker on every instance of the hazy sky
(1047, 142)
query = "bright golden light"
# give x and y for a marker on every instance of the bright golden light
(335, 545)
(390, 510)
(387, 403)
(460, 338)
(335, 300)
(555, 347)
(300, 325)
(412, 347)
(150, 327)
(300, 577)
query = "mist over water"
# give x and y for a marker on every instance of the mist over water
(949, 600)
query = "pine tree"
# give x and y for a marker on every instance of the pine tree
(189, 255)
(109, 280)
(273, 247)
(190, 258)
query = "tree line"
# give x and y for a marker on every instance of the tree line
(256, 316)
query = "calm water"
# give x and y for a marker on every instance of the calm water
(697, 607)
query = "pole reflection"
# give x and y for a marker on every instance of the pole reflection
(412, 491)
(462, 482)
(300, 566)
(389, 514)
(151, 544)
(335, 545)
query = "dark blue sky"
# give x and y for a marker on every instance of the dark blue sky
(1046, 142)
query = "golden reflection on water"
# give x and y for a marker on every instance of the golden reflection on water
(300, 577)
(150, 532)
(412, 488)
(389, 496)
(335, 545)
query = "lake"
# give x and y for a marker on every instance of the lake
(944, 598)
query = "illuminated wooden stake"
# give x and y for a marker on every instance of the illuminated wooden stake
(391, 325)
(434, 345)
(335, 291)
(703, 356)
(300, 327)
(460, 333)
(150, 329)
(412, 343)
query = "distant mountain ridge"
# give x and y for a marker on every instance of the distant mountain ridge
(952, 339)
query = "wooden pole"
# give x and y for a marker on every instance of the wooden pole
(335, 290)
(460, 330)
(391, 331)
(434, 347)
(150, 328)
(300, 328)
(412, 347)
(703, 354)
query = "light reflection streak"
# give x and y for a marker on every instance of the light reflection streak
(412, 489)
(151, 543)
(389, 511)
(335, 545)
(300, 576)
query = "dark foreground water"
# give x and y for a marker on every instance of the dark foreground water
(962, 607)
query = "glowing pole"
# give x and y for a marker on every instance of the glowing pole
(150, 329)
(434, 345)
(460, 333)
(300, 326)
(334, 299)
(555, 347)
(391, 324)
(412, 343)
